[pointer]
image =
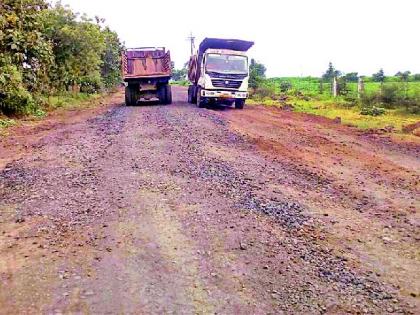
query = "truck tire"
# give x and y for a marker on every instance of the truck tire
(239, 103)
(131, 95)
(164, 94)
(192, 97)
(127, 96)
(168, 95)
(199, 100)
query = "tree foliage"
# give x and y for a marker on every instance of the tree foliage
(256, 73)
(331, 73)
(379, 76)
(46, 49)
(404, 76)
(352, 77)
(179, 74)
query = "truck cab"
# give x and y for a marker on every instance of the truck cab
(219, 73)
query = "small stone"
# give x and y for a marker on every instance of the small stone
(20, 220)
(89, 293)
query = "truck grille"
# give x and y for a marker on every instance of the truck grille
(228, 84)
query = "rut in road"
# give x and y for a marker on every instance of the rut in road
(163, 209)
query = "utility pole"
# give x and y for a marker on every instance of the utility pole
(191, 38)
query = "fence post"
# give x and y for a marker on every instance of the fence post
(335, 87)
(360, 87)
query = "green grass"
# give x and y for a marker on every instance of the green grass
(69, 100)
(306, 97)
(6, 122)
(311, 85)
(51, 103)
(349, 115)
(180, 83)
(392, 117)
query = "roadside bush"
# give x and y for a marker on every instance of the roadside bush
(44, 49)
(265, 90)
(392, 94)
(373, 111)
(285, 86)
(91, 85)
(14, 97)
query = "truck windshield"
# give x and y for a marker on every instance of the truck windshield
(226, 63)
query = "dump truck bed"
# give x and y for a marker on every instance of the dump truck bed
(145, 62)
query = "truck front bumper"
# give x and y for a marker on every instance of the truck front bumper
(224, 94)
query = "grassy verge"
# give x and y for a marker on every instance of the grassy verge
(397, 118)
(70, 100)
(52, 103)
(180, 83)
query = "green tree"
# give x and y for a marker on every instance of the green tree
(379, 76)
(351, 77)
(111, 67)
(256, 73)
(331, 73)
(25, 53)
(404, 76)
(79, 46)
(45, 49)
(179, 74)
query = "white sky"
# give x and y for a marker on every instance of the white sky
(292, 37)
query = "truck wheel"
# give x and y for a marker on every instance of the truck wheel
(164, 94)
(200, 102)
(127, 96)
(189, 100)
(131, 95)
(168, 95)
(192, 98)
(239, 104)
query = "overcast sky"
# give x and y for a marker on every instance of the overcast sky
(292, 38)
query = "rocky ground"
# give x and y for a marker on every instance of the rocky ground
(176, 209)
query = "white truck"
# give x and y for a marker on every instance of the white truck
(219, 73)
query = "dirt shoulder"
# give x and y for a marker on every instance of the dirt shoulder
(27, 133)
(364, 185)
(160, 209)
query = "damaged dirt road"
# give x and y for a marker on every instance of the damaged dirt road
(175, 209)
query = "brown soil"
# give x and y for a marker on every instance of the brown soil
(175, 209)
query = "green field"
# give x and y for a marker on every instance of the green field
(312, 86)
(306, 95)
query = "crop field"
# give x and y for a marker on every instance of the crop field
(312, 86)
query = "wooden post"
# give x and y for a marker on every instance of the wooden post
(360, 87)
(321, 87)
(335, 87)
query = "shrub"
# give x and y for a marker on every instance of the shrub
(392, 94)
(265, 92)
(91, 84)
(285, 86)
(14, 97)
(372, 111)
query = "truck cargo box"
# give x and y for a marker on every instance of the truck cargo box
(147, 72)
(146, 62)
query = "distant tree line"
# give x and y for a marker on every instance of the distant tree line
(48, 49)
(404, 76)
(393, 91)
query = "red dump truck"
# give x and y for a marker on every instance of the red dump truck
(146, 72)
